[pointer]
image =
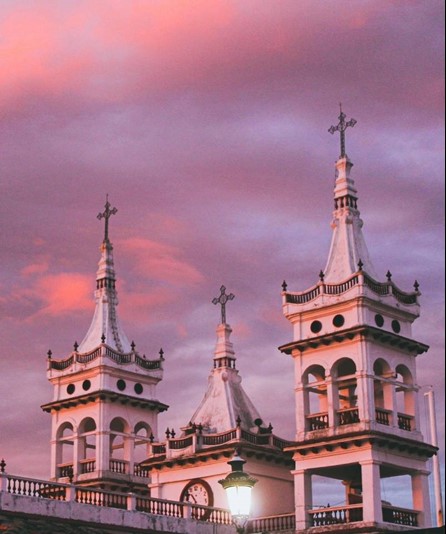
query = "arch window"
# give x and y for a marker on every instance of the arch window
(119, 446)
(405, 398)
(382, 390)
(65, 450)
(346, 384)
(316, 404)
(87, 446)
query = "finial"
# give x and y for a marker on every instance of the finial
(321, 275)
(151, 437)
(103, 338)
(132, 345)
(2, 465)
(270, 428)
(360, 265)
(167, 433)
(416, 285)
(238, 421)
(161, 353)
(76, 346)
(389, 276)
(49, 353)
(108, 212)
(341, 127)
(172, 433)
(284, 286)
(223, 299)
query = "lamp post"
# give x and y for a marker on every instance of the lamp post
(238, 486)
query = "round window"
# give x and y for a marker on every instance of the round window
(379, 320)
(120, 384)
(338, 320)
(316, 326)
(138, 388)
(70, 389)
(396, 327)
(86, 385)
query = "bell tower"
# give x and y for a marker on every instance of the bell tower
(356, 387)
(104, 409)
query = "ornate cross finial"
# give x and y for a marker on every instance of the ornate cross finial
(223, 299)
(109, 211)
(341, 127)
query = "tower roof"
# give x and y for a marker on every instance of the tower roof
(105, 326)
(348, 247)
(225, 403)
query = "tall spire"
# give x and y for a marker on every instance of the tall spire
(348, 247)
(105, 326)
(225, 400)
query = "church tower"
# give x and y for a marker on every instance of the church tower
(356, 388)
(104, 408)
(188, 467)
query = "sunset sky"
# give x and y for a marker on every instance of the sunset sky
(206, 122)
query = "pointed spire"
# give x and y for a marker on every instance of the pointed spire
(348, 246)
(105, 325)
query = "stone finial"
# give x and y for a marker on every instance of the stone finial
(132, 345)
(167, 433)
(416, 285)
(389, 276)
(172, 433)
(238, 421)
(49, 354)
(2, 466)
(103, 338)
(284, 285)
(321, 275)
(270, 428)
(76, 346)
(360, 265)
(151, 437)
(161, 353)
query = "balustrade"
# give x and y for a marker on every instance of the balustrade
(323, 517)
(119, 466)
(405, 421)
(159, 506)
(271, 524)
(87, 466)
(348, 416)
(382, 416)
(317, 421)
(400, 516)
(101, 498)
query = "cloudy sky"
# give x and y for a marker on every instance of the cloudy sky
(206, 123)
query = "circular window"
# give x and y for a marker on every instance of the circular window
(86, 385)
(316, 326)
(138, 388)
(338, 320)
(70, 389)
(396, 327)
(379, 320)
(120, 384)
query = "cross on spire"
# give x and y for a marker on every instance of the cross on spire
(109, 211)
(222, 300)
(341, 127)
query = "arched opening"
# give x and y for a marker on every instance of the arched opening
(143, 438)
(65, 450)
(87, 446)
(119, 446)
(382, 392)
(405, 398)
(316, 402)
(345, 385)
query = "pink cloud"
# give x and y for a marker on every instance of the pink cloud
(38, 267)
(158, 261)
(64, 293)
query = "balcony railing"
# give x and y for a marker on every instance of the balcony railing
(119, 466)
(382, 416)
(336, 515)
(405, 422)
(274, 523)
(87, 466)
(317, 421)
(348, 416)
(400, 516)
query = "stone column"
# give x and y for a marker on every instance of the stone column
(420, 498)
(332, 401)
(303, 498)
(371, 491)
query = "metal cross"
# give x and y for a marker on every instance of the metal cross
(341, 127)
(223, 299)
(106, 215)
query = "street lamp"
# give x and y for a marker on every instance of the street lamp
(238, 486)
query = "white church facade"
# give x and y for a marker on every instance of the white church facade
(357, 421)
